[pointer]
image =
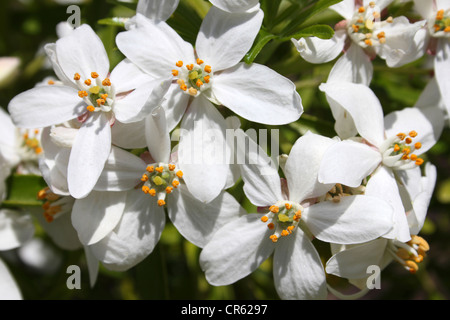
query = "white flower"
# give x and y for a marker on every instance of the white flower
(369, 36)
(385, 146)
(294, 219)
(90, 95)
(236, 6)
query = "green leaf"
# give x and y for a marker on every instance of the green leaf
(261, 40)
(321, 31)
(23, 189)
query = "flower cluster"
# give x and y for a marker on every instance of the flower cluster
(160, 134)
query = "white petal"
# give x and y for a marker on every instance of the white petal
(362, 104)
(16, 228)
(427, 122)
(345, 8)
(88, 155)
(441, 65)
(202, 150)
(123, 171)
(50, 50)
(82, 52)
(236, 250)
(354, 219)
(298, 272)
(157, 135)
(157, 10)
(95, 216)
(235, 5)
(302, 167)
(353, 262)
(129, 135)
(44, 106)
(258, 94)
(260, 173)
(8, 286)
(154, 48)
(127, 76)
(92, 264)
(140, 103)
(224, 38)
(175, 104)
(348, 162)
(354, 66)
(381, 4)
(198, 221)
(316, 50)
(382, 184)
(136, 235)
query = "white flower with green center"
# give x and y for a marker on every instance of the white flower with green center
(89, 95)
(385, 145)
(363, 35)
(212, 73)
(294, 218)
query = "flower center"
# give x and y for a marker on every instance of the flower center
(31, 144)
(54, 205)
(193, 78)
(397, 151)
(409, 254)
(365, 24)
(284, 216)
(339, 190)
(160, 180)
(440, 27)
(98, 95)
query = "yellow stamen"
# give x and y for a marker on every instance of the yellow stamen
(150, 168)
(179, 174)
(274, 238)
(199, 61)
(159, 169)
(413, 267)
(447, 29)
(171, 167)
(396, 148)
(144, 177)
(192, 91)
(413, 134)
(264, 218)
(290, 229)
(152, 192)
(274, 209)
(90, 108)
(169, 189)
(190, 67)
(408, 140)
(208, 69)
(401, 136)
(88, 82)
(440, 14)
(413, 157)
(419, 161)
(179, 64)
(37, 150)
(288, 206)
(161, 202)
(175, 183)
(145, 189)
(50, 82)
(390, 20)
(106, 82)
(361, 9)
(199, 83)
(206, 78)
(76, 76)
(355, 28)
(175, 73)
(100, 101)
(104, 96)
(82, 94)
(94, 75)
(271, 226)
(41, 193)
(381, 35)
(284, 233)
(368, 42)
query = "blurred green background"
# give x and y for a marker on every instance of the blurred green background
(172, 270)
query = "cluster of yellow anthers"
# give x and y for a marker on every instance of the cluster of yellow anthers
(31, 142)
(284, 216)
(160, 180)
(363, 25)
(412, 253)
(442, 22)
(192, 78)
(95, 92)
(339, 190)
(406, 149)
(51, 208)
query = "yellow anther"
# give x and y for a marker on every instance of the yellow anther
(90, 108)
(50, 82)
(413, 157)
(396, 148)
(175, 72)
(94, 89)
(290, 229)
(413, 134)
(297, 215)
(94, 75)
(171, 167)
(368, 42)
(206, 79)
(271, 226)
(381, 35)
(355, 28)
(382, 40)
(150, 168)
(190, 67)
(376, 15)
(152, 192)
(284, 233)
(405, 157)
(274, 209)
(104, 96)
(406, 151)
(274, 238)
(447, 29)
(401, 136)
(419, 161)
(192, 91)
(208, 69)
(100, 101)
(38, 150)
(76, 76)
(288, 206)
(372, 4)
(421, 242)
(440, 14)
(436, 28)
(264, 218)
(82, 94)
(159, 169)
(390, 20)
(161, 202)
(36, 131)
(175, 183)
(199, 61)
(183, 87)
(361, 9)
(408, 140)
(418, 259)
(145, 189)
(42, 193)
(179, 64)
(413, 267)
(144, 177)
(87, 82)
(106, 82)
(46, 205)
(199, 83)
(179, 174)
(169, 189)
